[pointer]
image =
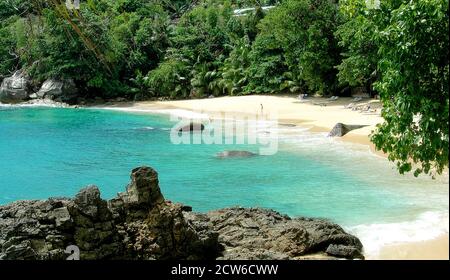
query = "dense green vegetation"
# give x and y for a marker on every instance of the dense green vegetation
(398, 50)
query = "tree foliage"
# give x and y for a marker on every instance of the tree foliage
(195, 48)
(414, 66)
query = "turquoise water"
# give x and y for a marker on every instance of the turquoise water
(54, 152)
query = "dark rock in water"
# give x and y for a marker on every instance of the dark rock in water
(341, 129)
(140, 225)
(64, 91)
(192, 127)
(265, 234)
(15, 89)
(235, 154)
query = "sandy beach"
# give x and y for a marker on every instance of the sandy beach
(319, 114)
(436, 249)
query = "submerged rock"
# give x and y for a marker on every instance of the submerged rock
(15, 89)
(235, 154)
(341, 129)
(140, 224)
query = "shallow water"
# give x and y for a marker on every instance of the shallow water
(54, 152)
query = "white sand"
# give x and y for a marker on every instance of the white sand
(288, 109)
(436, 249)
(321, 118)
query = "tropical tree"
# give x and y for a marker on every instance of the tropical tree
(298, 37)
(414, 86)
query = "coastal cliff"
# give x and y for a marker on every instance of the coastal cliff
(140, 224)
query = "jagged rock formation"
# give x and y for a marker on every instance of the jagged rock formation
(265, 234)
(15, 89)
(341, 129)
(43, 229)
(140, 224)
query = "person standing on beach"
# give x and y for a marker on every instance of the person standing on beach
(262, 108)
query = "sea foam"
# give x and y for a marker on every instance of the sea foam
(427, 226)
(36, 103)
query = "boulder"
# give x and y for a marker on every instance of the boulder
(59, 90)
(341, 129)
(192, 127)
(235, 154)
(261, 234)
(15, 89)
(344, 251)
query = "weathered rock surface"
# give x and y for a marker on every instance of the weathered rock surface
(15, 89)
(341, 129)
(64, 91)
(140, 224)
(235, 154)
(265, 234)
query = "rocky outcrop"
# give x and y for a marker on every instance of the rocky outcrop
(341, 129)
(43, 229)
(235, 154)
(139, 224)
(15, 89)
(154, 228)
(265, 234)
(64, 91)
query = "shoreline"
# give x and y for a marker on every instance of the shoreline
(319, 119)
(303, 114)
(433, 249)
(318, 112)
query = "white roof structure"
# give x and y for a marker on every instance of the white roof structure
(243, 12)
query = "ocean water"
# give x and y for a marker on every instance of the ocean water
(48, 152)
